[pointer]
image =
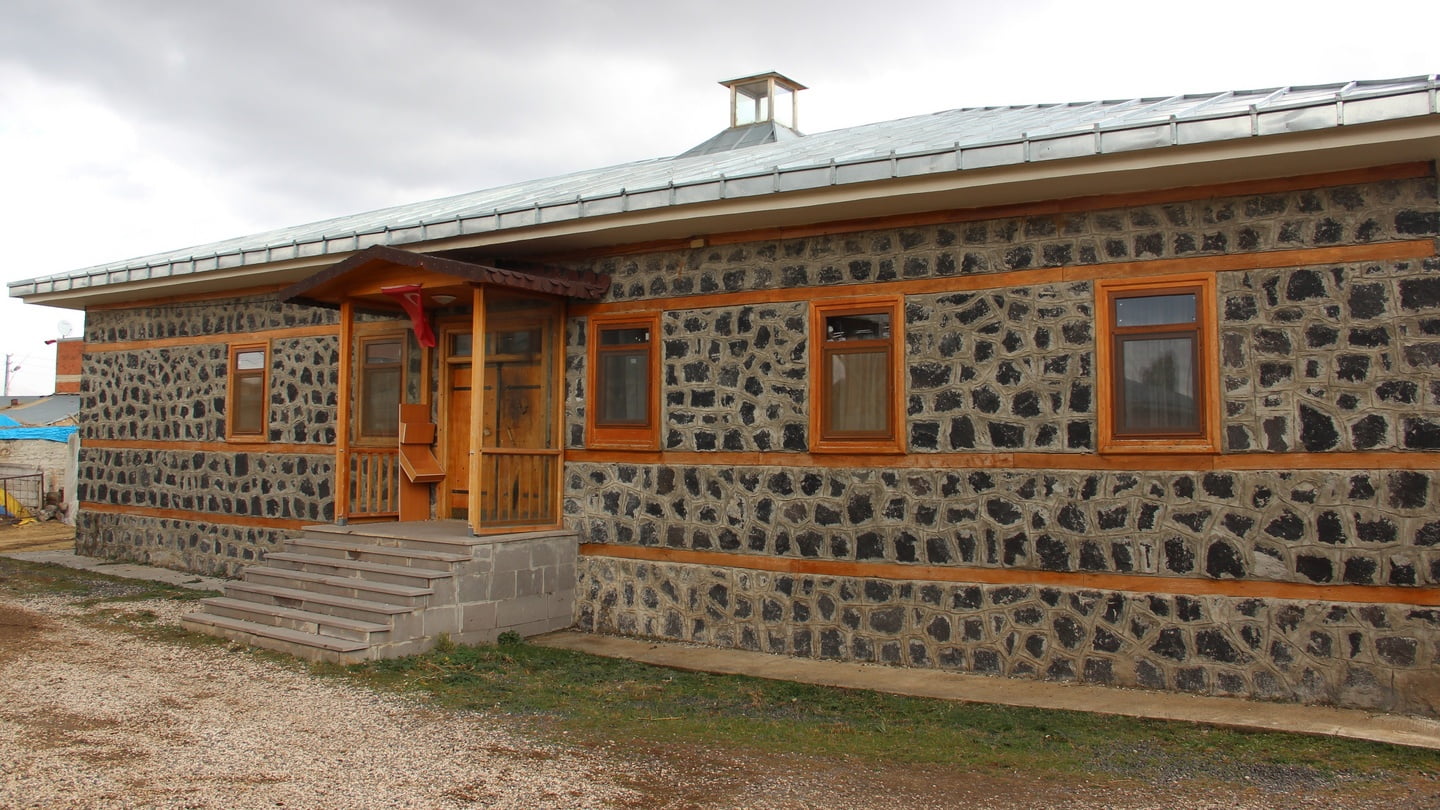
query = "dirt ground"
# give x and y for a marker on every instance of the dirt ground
(93, 716)
(49, 535)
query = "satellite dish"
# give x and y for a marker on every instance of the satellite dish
(64, 328)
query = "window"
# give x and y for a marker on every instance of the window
(246, 411)
(1155, 348)
(623, 401)
(855, 395)
(381, 370)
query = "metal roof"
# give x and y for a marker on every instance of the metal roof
(955, 140)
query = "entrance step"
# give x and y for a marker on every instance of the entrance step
(381, 590)
(398, 556)
(352, 587)
(311, 646)
(358, 609)
(345, 567)
(305, 621)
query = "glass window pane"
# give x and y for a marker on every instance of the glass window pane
(380, 402)
(624, 337)
(460, 345)
(859, 389)
(868, 326)
(382, 353)
(1155, 310)
(623, 380)
(1159, 386)
(520, 341)
(249, 403)
(249, 361)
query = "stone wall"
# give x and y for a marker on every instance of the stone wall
(1335, 358)
(1378, 657)
(1359, 527)
(169, 394)
(178, 393)
(215, 549)
(1332, 359)
(1353, 214)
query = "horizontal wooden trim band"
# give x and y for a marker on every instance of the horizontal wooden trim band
(1129, 583)
(1277, 185)
(1178, 462)
(260, 448)
(1343, 254)
(92, 347)
(190, 516)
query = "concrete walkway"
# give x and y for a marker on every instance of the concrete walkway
(1228, 712)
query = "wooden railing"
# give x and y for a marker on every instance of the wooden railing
(521, 487)
(374, 483)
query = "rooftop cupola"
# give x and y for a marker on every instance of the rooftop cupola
(764, 97)
(763, 109)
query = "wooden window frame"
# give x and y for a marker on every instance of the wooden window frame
(892, 439)
(1207, 372)
(232, 395)
(361, 437)
(622, 437)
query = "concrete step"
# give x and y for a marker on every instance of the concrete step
(309, 646)
(359, 609)
(304, 621)
(369, 571)
(358, 549)
(451, 539)
(351, 587)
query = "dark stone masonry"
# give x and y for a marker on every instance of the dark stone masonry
(1370, 656)
(1358, 527)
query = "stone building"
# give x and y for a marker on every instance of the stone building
(1142, 393)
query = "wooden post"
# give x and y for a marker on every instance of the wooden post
(342, 413)
(477, 406)
(556, 348)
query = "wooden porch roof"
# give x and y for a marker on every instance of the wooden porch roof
(365, 274)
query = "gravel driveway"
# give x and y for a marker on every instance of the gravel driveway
(94, 718)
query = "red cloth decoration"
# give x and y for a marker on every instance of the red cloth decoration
(409, 297)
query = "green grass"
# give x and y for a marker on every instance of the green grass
(608, 699)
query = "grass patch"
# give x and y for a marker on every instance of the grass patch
(602, 699)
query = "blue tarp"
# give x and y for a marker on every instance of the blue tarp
(49, 434)
(6, 421)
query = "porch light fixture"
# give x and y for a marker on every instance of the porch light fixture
(443, 300)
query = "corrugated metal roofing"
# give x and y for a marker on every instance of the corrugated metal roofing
(955, 140)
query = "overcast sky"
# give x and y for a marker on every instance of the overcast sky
(130, 127)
